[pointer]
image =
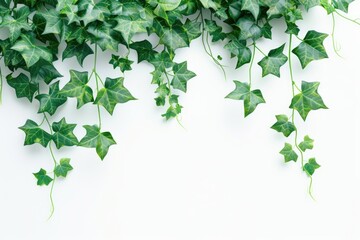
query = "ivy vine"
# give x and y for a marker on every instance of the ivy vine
(34, 31)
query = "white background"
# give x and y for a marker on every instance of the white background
(221, 178)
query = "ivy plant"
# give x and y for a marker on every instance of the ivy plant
(34, 31)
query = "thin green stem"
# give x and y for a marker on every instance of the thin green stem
(260, 50)
(251, 64)
(54, 175)
(206, 45)
(349, 19)
(300, 39)
(97, 84)
(336, 49)
(310, 188)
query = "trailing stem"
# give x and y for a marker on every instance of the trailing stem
(251, 64)
(97, 79)
(336, 48)
(55, 164)
(293, 87)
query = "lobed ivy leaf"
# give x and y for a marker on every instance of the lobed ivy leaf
(78, 50)
(251, 6)
(251, 98)
(288, 153)
(283, 125)
(342, 5)
(51, 102)
(35, 134)
(113, 93)
(144, 50)
(94, 138)
(62, 169)
(63, 134)
(54, 22)
(31, 52)
(181, 76)
(16, 23)
(311, 48)
(308, 143)
(272, 63)
(240, 50)
(309, 99)
(24, 88)
(43, 71)
(42, 178)
(77, 87)
(311, 166)
(123, 63)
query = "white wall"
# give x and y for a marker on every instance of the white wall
(221, 178)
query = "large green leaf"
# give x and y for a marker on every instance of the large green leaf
(309, 99)
(311, 48)
(23, 86)
(113, 93)
(16, 23)
(35, 134)
(63, 134)
(94, 138)
(51, 102)
(30, 51)
(251, 98)
(79, 50)
(272, 63)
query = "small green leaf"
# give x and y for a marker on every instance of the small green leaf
(251, 98)
(311, 48)
(288, 153)
(123, 63)
(51, 102)
(42, 178)
(43, 71)
(77, 87)
(181, 76)
(113, 93)
(283, 125)
(54, 23)
(251, 6)
(309, 99)
(271, 64)
(23, 86)
(96, 139)
(308, 143)
(63, 134)
(311, 166)
(62, 169)
(35, 134)
(144, 50)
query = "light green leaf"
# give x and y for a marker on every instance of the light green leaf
(311, 166)
(308, 143)
(311, 48)
(309, 99)
(251, 98)
(251, 6)
(181, 76)
(272, 63)
(283, 125)
(42, 178)
(63, 134)
(288, 153)
(96, 139)
(113, 93)
(35, 134)
(62, 169)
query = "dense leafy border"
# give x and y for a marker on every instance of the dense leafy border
(35, 30)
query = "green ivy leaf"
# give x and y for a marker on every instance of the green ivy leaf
(102, 34)
(311, 166)
(23, 86)
(214, 30)
(77, 87)
(311, 48)
(283, 125)
(309, 99)
(308, 143)
(94, 138)
(238, 48)
(113, 93)
(342, 5)
(129, 26)
(192, 29)
(62, 169)
(271, 64)
(144, 50)
(288, 153)
(123, 63)
(42, 178)
(181, 76)
(31, 52)
(80, 50)
(50, 102)
(251, 98)
(34, 134)
(309, 3)
(54, 23)
(63, 134)
(43, 71)
(251, 6)
(16, 23)
(214, 4)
